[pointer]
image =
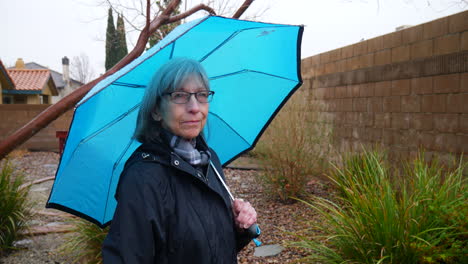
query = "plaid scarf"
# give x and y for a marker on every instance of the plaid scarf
(186, 149)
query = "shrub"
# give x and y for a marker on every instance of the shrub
(83, 245)
(293, 149)
(13, 206)
(377, 219)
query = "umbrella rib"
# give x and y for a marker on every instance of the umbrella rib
(129, 85)
(109, 124)
(248, 71)
(230, 127)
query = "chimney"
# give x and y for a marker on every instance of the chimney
(19, 64)
(66, 70)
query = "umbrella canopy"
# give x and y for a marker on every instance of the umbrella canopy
(253, 68)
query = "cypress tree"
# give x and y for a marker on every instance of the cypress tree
(121, 38)
(110, 42)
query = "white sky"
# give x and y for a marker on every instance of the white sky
(43, 31)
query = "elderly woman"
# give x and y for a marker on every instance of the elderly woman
(171, 207)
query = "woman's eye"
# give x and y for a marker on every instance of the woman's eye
(179, 95)
(202, 94)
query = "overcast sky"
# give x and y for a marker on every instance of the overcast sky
(43, 31)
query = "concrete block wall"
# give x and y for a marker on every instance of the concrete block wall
(14, 116)
(405, 91)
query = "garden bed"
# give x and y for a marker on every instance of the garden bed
(276, 219)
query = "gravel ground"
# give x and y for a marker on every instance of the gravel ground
(274, 218)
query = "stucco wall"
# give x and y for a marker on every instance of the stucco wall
(406, 90)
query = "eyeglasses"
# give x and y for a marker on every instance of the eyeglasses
(184, 97)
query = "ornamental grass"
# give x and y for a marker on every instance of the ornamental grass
(383, 214)
(14, 206)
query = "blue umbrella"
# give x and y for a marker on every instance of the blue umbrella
(253, 68)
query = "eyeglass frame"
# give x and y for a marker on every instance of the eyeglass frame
(209, 97)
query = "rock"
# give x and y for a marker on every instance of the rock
(268, 250)
(22, 243)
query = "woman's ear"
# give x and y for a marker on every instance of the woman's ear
(156, 116)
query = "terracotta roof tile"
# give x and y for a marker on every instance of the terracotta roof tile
(34, 80)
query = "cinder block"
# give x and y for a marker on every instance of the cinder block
(422, 49)
(387, 136)
(360, 48)
(375, 105)
(463, 139)
(449, 83)
(366, 60)
(435, 28)
(458, 22)
(446, 143)
(446, 122)
(411, 104)
(434, 103)
(366, 119)
(447, 44)
(400, 53)
(382, 120)
(400, 120)
(341, 91)
(401, 87)
(347, 104)
(325, 57)
(329, 68)
(383, 57)
(392, 104)
(375, 44)
(422, 85)
(464, 124)
(421, 121)
(353, 63)
(352, 118)
(412, 34)
(383, 88)
(464, 82)
(392, 40)
(347, 52)
(456, 103)
(360, 104)
(341, 66)
(335, 54)
(464, 41)
(427, 140)
(367, 90)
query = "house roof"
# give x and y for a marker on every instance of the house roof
(5, 79)
(56, 76)
(31, 80)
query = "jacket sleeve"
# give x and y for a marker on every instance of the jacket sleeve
(242, 239)
(136, 232)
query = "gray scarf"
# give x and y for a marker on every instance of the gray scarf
(186, 149)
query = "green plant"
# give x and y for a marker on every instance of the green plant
(293, 149)
(13, 206)
(84, 243)
(379, 219)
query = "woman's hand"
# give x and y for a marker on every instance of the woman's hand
(244, 214)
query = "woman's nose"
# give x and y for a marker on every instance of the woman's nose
(193, 105)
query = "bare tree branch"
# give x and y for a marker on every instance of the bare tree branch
(68, 102)
(191, 12)
(242, 9)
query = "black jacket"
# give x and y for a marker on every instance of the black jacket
(170, 212)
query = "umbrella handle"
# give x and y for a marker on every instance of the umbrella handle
(253, 232)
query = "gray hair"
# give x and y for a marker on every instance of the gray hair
(168, 78)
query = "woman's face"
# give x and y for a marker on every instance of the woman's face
(185, 120)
